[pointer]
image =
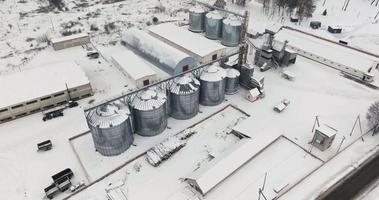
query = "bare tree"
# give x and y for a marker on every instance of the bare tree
(372, 116)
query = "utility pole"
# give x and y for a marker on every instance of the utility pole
(343, 139)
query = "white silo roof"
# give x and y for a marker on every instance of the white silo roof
(148, 100)
(232, 73)
(184, 85)
(214, 15)
(107, 116)
(197, 9)
(232, 21)
(213, 73)
(150, 45)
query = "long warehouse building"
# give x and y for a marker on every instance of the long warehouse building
(351, 62)
(167, 58)
(135, 68)
(41, 88)
(195, 45)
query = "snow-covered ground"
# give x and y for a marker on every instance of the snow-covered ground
(317, 90)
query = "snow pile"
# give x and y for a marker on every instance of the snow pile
(164, 150)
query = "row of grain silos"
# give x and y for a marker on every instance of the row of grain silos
(112, 125)
(215, 26)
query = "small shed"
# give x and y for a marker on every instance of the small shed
(253, 95)
(323, 137)
(70, 41)
(135, 68)
(334, 29)
(315, 24)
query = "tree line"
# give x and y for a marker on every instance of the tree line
(301, 8)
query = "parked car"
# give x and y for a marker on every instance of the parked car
(53, 114)
(72, 104)
(93, 54)
(45, 145)
(281, 106)
(264, 67)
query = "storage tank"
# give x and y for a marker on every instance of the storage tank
(110, 127)
(196, 19)
(184, 97)
(168, 58)
(232, 81)
(149, 112)
(212, 85)
(213, 25)
(231, 31)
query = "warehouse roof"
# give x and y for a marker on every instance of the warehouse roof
(218, 169)
(193, 42)
(37, 82)
(150, 45)
(133, 65)
(335, 52)
(70, 37)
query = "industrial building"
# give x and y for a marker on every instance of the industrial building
(134, 67)
(195, 45)
(168, 58)
(349, 61)
(70, 41)
(41, 88)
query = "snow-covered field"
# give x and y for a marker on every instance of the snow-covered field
(317, 91)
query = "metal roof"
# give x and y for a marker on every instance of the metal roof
(70, 37)
(213, 73)
(148, 100)
(232, 73)
(326, 130)
(185, 85)
(108, 115)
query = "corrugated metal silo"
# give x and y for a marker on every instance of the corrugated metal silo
(184, 97)
(111, 129)
(149, 112)
(212, 85)
(231, 31)
(213, 25)
(196, 19)
(232, 81)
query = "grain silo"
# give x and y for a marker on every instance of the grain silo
(168, 58)
(213, 25)
(149, 112)
(111, 129)
(212, 85)
(231, 31)
(196, 19)
(232, 81)
(184, 97)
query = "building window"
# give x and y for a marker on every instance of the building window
(31, 102)
(185, 68)
(3, 110)
(45, 98)
(214, 57)
(18, 106)
(146, 82)
(59, 94)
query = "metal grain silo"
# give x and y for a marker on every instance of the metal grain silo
(149, 112)
(184, 97)
(213, 25)
(111, 129)
(232, 81)
(196, 19)
(231, 31)
(212, 85)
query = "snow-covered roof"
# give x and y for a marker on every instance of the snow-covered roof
(197, 9)
(148, 100)
(38, 82)
(218, 169)
(214, 15)
(70, 37)
(326, 130)
(193, 42)
(133, 65)
(328, 50)
(213, 73)
(254, 92)
(154, 47)
(185, 85)
(232, 73)
(107, 116)
(232, 20)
